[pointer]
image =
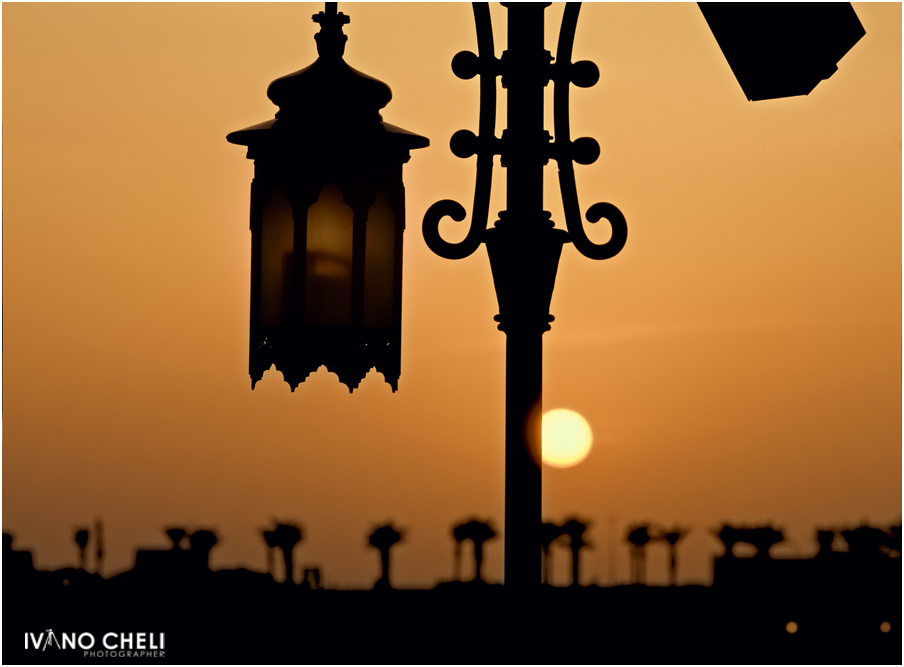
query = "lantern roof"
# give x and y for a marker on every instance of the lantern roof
(328, 98)
(329, 82)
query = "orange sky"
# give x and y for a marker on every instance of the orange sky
(739, 361)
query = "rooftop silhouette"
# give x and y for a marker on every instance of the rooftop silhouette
(838, 606)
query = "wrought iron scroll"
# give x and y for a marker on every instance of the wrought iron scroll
(583, 151)
(467, 65)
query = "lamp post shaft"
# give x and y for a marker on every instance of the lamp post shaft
(524, 253)
(525, 75)
(523, 479)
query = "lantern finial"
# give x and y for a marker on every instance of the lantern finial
(330, 40)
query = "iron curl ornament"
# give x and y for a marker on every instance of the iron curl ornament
(485, 145)
(464, 144)
(585, 150)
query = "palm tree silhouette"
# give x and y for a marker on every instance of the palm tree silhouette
(383, 538)
(478, 532)
(575, 531)
(81, 540)
(865, 541)
(549, 533)
(457, 557)
(176, 535)
(639, 536)
(285, 537)
(825, 538)
(672, 538)
(730, 536)
(270, 540)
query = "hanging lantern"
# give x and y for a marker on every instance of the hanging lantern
(327, 216)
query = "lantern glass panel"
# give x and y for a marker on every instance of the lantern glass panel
(328, 291)
(379, 263)
(277, 239)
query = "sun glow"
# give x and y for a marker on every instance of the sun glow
(567, 438)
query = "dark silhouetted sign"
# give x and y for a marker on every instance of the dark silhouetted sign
(782, 49)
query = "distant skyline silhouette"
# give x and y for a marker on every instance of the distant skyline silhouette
(738, 363)
(844, 602)
(195, 546)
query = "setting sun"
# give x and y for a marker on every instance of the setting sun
(566, 438)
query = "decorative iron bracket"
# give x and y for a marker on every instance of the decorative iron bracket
(583, 151)
(485, 145)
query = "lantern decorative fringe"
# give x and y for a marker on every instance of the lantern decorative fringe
(327, 219)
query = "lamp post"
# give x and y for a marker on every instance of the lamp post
(327, 217)
(523, 246)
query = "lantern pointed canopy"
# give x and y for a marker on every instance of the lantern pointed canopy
(327, 218)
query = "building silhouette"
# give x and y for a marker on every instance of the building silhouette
(843, 606)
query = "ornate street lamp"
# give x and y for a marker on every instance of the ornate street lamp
(523, 246)
(327, 217)
(327, 212)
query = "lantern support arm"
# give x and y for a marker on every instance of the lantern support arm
(464, 144)
(583, 151)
